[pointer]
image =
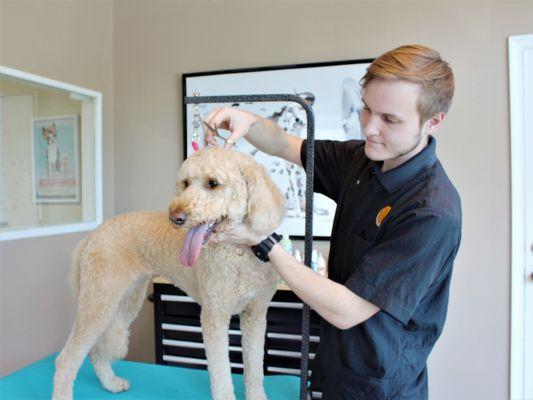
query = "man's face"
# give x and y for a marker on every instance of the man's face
(391, 122)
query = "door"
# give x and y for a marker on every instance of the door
(521, 97)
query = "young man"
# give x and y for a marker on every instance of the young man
(396, 231)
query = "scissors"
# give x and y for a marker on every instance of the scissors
(215, 130)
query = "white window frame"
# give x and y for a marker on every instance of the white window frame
(75, 227)
(517, 45)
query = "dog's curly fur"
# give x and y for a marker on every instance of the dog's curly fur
(113, 266)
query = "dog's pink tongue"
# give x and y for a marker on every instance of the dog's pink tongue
(193, 244)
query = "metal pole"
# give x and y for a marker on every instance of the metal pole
(309, 169)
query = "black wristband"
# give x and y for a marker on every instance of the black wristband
(262, 249)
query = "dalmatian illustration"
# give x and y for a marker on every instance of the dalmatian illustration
(292, 119)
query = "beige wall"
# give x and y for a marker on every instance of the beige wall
(155, 42)
(70, 42)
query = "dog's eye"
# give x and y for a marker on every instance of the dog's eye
(212, 183)
(185, 183)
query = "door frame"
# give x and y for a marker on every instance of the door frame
(517, 46)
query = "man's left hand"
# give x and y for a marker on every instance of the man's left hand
(240, 236)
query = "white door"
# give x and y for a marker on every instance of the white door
(2, 213)
(521, 95)
(528, 100)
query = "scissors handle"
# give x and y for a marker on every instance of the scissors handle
(215, 129)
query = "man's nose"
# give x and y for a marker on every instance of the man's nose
(370, 126)
(178, 217)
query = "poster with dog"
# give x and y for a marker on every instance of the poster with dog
(56, 159)
(331, 88)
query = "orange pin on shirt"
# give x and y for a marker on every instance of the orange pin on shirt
(382, 214)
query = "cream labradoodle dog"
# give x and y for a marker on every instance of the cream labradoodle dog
(113, 266)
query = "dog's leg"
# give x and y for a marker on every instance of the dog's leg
(113, 344)
(97, 304)
(215, 335)
(253, 328)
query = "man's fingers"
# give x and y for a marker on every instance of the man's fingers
(209, 127)
(219, 118)
(222, 119)
(209, 118)
(237, 122)
(229, 142)
(210, 140)
(217, 237)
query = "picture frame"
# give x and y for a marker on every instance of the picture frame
(56, 159)
(333, 90)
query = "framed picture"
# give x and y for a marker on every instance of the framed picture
(55, 155)
(332, 89)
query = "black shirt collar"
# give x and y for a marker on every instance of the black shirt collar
(395, 178)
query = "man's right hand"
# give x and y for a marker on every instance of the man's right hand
(237, 121)
(262, 133)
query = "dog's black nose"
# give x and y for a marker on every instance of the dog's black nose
(178, 218)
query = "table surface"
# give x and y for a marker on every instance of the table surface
(148, 381)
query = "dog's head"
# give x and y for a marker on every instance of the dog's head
(218, 189)
(49, 132)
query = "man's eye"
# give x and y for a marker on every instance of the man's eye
(212, 183)
(390, 120)
(185, 183)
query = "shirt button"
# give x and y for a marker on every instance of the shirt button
(357, 183)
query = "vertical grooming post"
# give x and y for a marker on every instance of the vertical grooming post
(304, 365)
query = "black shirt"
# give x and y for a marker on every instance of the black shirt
(394, 238)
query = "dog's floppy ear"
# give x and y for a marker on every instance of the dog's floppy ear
(265, 204)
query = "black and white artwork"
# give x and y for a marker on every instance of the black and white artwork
(332, 89)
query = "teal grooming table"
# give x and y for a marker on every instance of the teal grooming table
(148, 381)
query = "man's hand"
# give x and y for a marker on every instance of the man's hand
(264, 134)
(240, 236)
(237, 121)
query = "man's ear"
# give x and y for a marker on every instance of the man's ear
(433, 124)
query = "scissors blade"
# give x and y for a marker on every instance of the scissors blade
(214, 129)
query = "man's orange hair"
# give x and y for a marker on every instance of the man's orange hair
(421, 65)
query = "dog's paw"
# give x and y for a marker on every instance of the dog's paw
(62, 395)
(116, 385)
(256, 395)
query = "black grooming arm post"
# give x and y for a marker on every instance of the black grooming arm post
(309, 168)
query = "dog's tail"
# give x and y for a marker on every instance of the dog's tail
(74, 274)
